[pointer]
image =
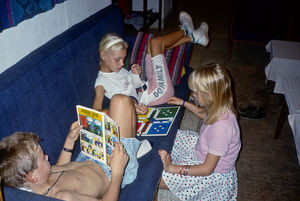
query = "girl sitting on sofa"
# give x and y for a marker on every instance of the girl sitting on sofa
(202, 165)
(114, 79)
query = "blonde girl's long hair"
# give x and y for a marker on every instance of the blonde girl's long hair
(214, 83)
(112, 42)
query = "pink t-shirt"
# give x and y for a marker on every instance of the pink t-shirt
(222, 139)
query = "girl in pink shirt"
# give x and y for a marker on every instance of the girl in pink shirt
(201, 165)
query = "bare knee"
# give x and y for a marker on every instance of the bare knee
(157, 41)
(120, 100)
(157, 46)
(122, 110)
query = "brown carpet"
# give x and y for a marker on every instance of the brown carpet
(268, 169)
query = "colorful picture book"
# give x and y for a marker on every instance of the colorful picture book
(157, 121)
(98, 134)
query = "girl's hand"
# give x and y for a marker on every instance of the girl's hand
(174, 101)
(74, 131)
(166, 160)
(141, 109)
(136, 69)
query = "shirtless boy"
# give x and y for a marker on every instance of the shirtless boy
(24, 164)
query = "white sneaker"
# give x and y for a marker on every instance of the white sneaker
(144, 148)
(200, 35)
(186, 23)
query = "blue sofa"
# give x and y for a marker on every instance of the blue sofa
(40, 92)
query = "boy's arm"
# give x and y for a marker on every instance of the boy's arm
(99, 96)
(119, 160)
(66, 153)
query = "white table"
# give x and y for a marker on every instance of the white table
(285, 59)
(290, 87)
(284, 83)
(294, 121)
(284, 69)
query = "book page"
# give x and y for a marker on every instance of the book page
(111, 136)
(92, 135)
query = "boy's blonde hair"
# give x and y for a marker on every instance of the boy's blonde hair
(112, 42)
(214, 83)
(18, 156)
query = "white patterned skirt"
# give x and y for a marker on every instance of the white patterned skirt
(217, 186)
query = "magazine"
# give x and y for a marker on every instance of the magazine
(98, 135)
(157, 121)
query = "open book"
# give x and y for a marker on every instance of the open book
(98, 134)
(157, 121)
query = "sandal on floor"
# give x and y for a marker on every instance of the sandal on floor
(251, 112)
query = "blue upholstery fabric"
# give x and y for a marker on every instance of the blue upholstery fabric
(40, 92)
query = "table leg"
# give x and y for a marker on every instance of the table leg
(281, 119)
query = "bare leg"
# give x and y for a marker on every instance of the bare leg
(159, 44)
(185, 39)
(122, 111)
(160, 86)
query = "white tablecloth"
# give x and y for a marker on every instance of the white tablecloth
(290, 87)
(294, 121)
(293, 101)
(285, 59)
(284, 83)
